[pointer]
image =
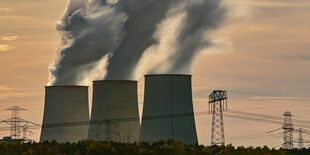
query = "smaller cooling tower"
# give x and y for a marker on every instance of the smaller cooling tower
(168, 109)
(115, 115)
(66, 114)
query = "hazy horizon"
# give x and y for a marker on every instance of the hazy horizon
(261, 58)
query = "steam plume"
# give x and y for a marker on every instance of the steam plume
(124, 30)
(90, 31)
(144, 16)
(202, 17)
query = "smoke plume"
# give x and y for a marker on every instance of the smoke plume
(144, 16)
(90, 31)
(125, 30)
(201, 17)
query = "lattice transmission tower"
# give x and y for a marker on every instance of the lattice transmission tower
(109, 133)
(18, 126)
(217, 102)
(15, 121)
(288, 130)
(300, 139)
(25, 132)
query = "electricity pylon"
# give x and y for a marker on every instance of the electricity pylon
(217, 105)
(111, 125)
(288, 130)
(300, 139)
(15, 121)
(18, 125)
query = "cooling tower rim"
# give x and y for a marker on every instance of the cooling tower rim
(114, 81)
(66, 86)
(168, 75)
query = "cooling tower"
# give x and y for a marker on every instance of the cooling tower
(66, 114)
(115, 115)
(168, 109)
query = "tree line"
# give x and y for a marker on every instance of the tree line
(170, 147)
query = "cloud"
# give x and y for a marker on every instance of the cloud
(3, 88)
(6, 10)
(15, 95)
(22, 77)
(297, 57)
(301, 3)
(8, 38)
(11, 92)
(200, 89)
(280, 98)
(6, 48)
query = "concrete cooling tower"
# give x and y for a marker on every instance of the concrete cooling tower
(168, 109)
(115, 115)
(64, 107)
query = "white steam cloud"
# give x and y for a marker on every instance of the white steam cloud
(128, 32)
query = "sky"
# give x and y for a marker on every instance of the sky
(262, 59)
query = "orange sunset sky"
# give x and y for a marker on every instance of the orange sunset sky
(261, 57)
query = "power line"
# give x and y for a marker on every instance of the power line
(299, 122)
(254, 114)
(239, 116)
(246, 136)
(254, 137)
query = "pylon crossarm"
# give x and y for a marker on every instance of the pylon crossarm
(305, 131)
(29, 122)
